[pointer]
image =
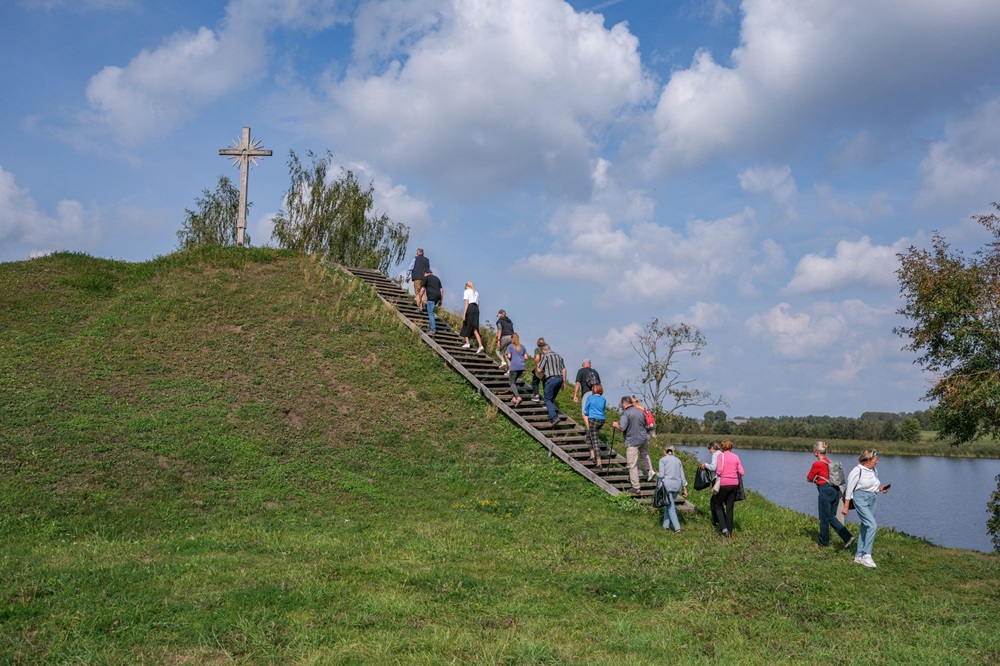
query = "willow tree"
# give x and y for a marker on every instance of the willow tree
(215, 220)
(953, 302)
(334, 218)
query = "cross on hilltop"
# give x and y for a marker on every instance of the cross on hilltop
(244, 153)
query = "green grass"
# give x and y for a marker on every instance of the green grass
(237, 457)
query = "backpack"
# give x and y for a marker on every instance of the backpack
(836, 477)
(650, 421)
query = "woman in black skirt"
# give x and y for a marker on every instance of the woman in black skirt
(470, 318)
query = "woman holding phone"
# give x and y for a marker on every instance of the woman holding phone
(863, 487)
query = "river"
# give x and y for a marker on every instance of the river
(942, 500)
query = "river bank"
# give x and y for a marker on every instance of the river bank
(957, 518)
(982, 449)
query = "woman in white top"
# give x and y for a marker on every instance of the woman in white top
(863, 487)
(470, 317)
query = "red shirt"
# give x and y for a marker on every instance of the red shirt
(819, 468)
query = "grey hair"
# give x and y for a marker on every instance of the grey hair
(819, 447)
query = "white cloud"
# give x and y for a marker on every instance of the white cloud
(769, 263)
(23, 224)
(853, 362)
(799, 63)
(964, 165)
(601, 242)
(394, 199)
(851, 331)
(159, 88)
(840, 207)
(775, 181)
(853, 263)
(485, 95)
(617, 342)
(704, 315)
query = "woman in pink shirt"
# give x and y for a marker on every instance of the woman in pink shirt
(729, 469)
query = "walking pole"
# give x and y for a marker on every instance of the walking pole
(611, 447)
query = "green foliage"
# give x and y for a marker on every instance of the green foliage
(871, 426)
(993, 522)
(953, 302)
(215, 221)
(909, 430)
(334, 218)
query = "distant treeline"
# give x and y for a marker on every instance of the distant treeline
(870, 426)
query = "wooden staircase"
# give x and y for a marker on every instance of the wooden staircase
(566, 440)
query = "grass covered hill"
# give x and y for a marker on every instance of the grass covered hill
(239, 457)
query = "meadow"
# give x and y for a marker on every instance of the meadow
(239, 456)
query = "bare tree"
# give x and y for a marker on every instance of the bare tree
(661, 386)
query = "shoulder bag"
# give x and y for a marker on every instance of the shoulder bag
(740, 493)
(718, 474)
(660, 497)
(702, 479)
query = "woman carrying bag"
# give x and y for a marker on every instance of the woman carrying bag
(729, 471)
(672, 479)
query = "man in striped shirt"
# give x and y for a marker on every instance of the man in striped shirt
(554, 368)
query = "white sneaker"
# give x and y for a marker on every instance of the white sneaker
(652, 475)
(865, 560)
(479, 351)
(466, 346)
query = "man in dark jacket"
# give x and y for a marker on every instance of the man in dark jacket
(418, 267)
(433, 294)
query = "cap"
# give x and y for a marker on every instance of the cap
(669, 449)
(586, 360)
(501, 312)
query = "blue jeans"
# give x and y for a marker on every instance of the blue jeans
(552, 386)
(864, 504)
(670, 512)
(828, 498)
(430, 315)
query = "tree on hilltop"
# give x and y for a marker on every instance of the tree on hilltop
(334, 218)
(215, 221)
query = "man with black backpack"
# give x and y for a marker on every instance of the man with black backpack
(586, 379)
(828, 475)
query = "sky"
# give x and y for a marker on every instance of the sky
(752, 169)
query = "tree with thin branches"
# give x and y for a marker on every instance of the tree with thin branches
(334, 217)
(661, 386)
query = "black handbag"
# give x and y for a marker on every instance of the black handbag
(740, 493)
(660, 496)
(702, 479)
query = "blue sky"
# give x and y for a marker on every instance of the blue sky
(752, 169)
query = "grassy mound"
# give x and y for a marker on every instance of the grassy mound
(237, 456)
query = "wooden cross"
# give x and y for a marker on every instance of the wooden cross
(244, 153)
